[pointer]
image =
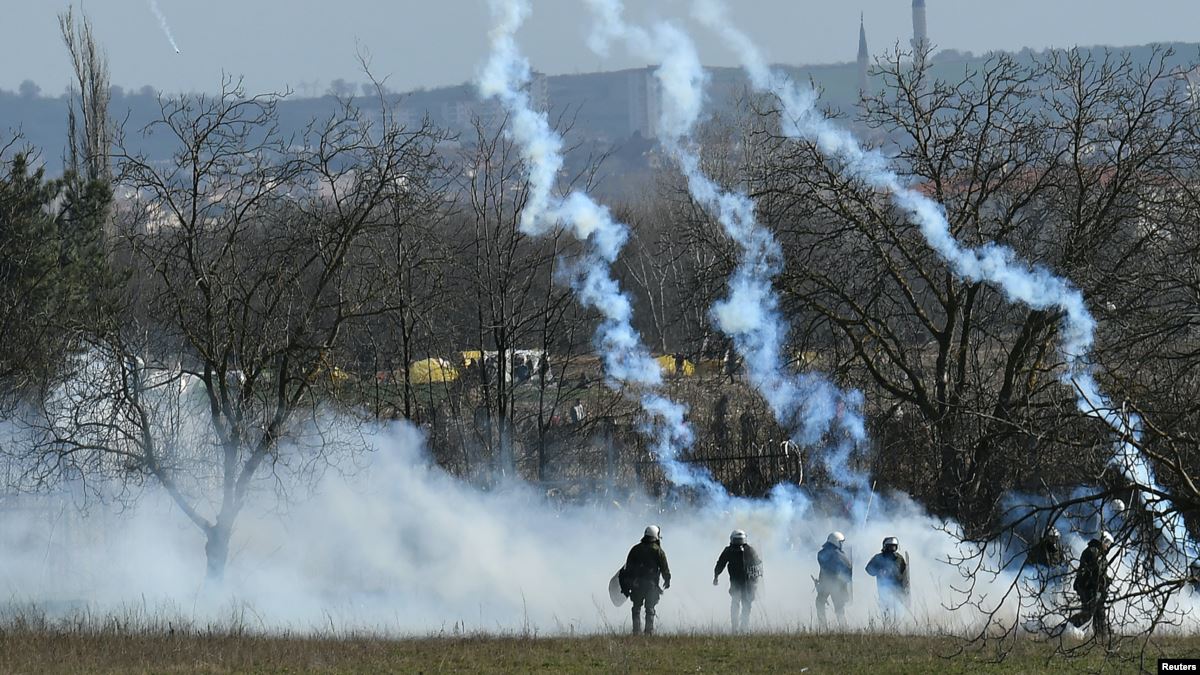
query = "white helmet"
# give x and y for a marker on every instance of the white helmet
(653, 532)
(835, 538)
(1106, 537)
(1118, 506)
(891, 541)
(737, 537)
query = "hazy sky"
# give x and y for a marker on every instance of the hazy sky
(274, 43)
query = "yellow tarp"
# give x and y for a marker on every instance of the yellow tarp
(667, 363)
(431, 371)
(469, 356)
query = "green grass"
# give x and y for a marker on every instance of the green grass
(112, 651)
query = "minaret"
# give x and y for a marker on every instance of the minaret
(864, 57)
(920, 40)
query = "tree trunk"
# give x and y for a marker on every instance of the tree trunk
(216, 550)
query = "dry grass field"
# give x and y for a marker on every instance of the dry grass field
(116, 650)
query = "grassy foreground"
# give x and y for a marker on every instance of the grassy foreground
(74, 652)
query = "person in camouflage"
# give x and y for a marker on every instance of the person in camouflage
(644, 565)
(745, 569)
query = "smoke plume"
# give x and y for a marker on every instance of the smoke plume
(394, 545)
(808, 404)
(1035, 287)
(162, 21)
(627, 362)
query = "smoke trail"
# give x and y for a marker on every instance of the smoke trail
(806, 404)
(506, 76)
(1037, 288)
(162, 20)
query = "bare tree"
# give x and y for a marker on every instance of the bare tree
(89, 127)
(253, 257)
(1076, 162)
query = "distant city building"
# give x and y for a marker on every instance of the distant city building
(920, 39)
(410, 118)
(645, 102)
(539, 92)
(461, 115)
(864, 56)
(455, 114)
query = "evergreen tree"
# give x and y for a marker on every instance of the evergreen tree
(53, 274)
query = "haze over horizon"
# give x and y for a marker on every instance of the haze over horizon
(306, 44)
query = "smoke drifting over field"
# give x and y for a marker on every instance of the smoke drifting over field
(401, 547)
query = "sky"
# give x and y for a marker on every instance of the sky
(417, 43)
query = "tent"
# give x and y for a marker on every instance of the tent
(667, 363)
(431, 371)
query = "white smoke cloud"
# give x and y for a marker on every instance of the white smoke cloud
(400, 547)
(1035, 287)
(627, 362)
(809, 405)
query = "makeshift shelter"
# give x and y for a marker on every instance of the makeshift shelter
(667, 363)
(432, 371)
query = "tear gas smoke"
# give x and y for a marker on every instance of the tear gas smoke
(627, 362)
(1035, 287)
(808, 404)
(162, 21)
(400, 547)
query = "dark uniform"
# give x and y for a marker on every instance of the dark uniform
(643, 567)
(1047, 559)
(890, 570)
(1091, 583)
(745, 569)
(1048, 552)
(834, 582)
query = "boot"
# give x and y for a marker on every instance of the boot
(637, 620)
(733, 615)
(649, 622)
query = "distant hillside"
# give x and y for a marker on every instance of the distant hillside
(607, 109)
